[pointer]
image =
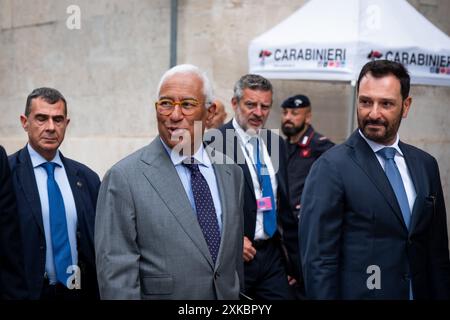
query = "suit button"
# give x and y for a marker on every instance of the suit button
(410, 242)
(216, 275)
(78, 234)
(41, 248)
(406, 277)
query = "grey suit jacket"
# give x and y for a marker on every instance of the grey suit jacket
(148, 242)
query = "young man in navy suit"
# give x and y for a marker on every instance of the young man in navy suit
(373, 220)
(56, 200)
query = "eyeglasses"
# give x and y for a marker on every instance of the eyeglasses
(166, 106)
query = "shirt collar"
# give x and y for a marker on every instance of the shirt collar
(377, 146)
(244, 136)
(201, 157)
(37, 159)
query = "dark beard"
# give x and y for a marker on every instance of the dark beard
(292, 131)
(390, 131)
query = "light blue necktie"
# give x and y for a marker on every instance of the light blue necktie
(270, 216)
(58, 226)
(393, 174)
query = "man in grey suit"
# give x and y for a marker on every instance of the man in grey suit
(169, 221)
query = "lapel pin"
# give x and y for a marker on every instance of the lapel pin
(79, 184)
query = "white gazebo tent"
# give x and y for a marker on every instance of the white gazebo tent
(331, 40)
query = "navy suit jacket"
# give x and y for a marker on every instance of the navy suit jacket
(85, 185)
(12, 281)
(351, 223)
(286, 219)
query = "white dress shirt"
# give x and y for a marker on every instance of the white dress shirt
(69, 205)
(207, 170)
(401, 165)
(247, 150)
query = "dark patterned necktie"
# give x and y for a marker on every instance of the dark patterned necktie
(206, 212)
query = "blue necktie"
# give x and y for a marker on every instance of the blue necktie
(206, 212)
(58, 226)
(270, 216)
(393, 174)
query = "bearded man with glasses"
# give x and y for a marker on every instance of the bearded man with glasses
(169, 220)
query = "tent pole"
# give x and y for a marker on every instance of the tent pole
(352, 110)
(173, 32)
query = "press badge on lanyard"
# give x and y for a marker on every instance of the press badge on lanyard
(264, 204)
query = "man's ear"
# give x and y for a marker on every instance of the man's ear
(211, 112)
(234, 103)
(406, 106)
(24, 122)
(308, 117)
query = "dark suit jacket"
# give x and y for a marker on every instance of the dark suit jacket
(350, 220)
(12, 281)
(85, 185)
(286, 219)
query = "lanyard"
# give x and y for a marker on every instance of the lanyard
(258, 166)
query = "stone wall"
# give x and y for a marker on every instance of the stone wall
(109, 69)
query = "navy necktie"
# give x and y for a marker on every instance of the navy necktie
(206, 212)
(58, 226)
(270, 216)
(393, 174)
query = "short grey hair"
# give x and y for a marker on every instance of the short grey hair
(189, 69)
(49, 95)
(252, 82)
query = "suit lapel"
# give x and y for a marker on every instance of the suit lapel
(76, 185)
(232, 143)
(268, 137)
(248, 177)
(415, 172)
(27, 181)
(366, 159)
(159, 172)
(223, 174)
